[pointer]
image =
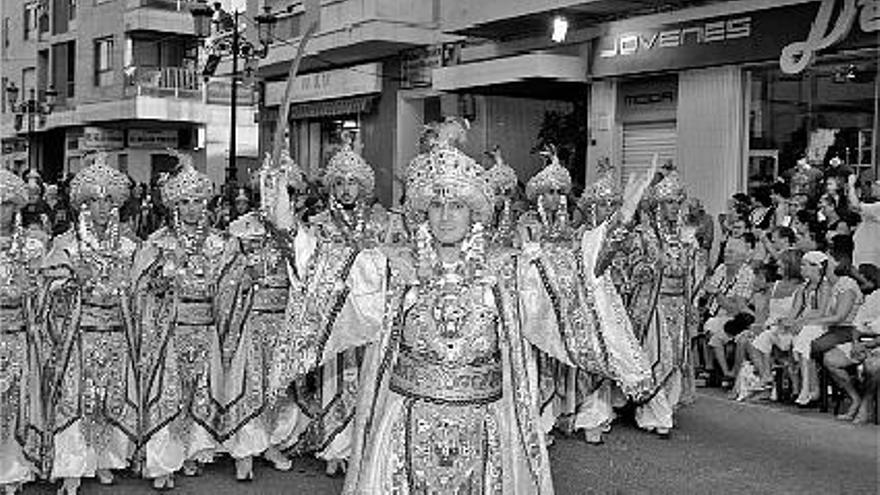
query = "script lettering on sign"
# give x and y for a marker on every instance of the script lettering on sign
(823, 33)
(698, 34)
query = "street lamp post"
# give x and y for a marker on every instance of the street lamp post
(30, 109)
(227, 43)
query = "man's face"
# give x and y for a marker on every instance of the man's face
(101, 209)
(346, 190)
(241, 206)
(450, 220)
(191, 210)
(551, 199)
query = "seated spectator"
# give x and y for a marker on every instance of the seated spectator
(807, 231)
(785, 299)
(737, 227)
(832, 218)
(779, 242)
(835, 322)
(865, 350)
(725, 295)
(780, 195)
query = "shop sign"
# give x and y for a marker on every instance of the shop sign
(648, 100)
(14, 145)
(152, 138)
(635, 45)
(327, 85)
(823, 34)
(98, 138)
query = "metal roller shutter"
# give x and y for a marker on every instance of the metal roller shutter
(642, 140)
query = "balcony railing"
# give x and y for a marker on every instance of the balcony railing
(172, 5)
(175, 82)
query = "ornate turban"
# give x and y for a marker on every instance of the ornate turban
(188, 183)
(501, 175)
(12, 188)
(553, 176)
(669, 189)
(99, 180)
(606, 189)
(347, 163)
(447, 173)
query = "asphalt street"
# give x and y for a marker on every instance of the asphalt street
(719, 447)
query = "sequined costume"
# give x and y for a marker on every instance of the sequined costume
(253, 421)
(573, 256)
(22, 347)
(326, 252)
(179, 311)
(445, 404)
(94, 390)
(660, 304)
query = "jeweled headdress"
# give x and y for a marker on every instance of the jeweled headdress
(99, 180)
(447, 173)
(347, 163)
(12, 188)
(606, 189)
(553, 176)
(670, 188)
(187, 183)
(247, 226)
(501, 175)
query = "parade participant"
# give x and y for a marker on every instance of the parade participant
(448, 377)
(661, 302)
(21, 420)
(252, 424)
(549, 227)
(177, 271)
(596, 396)
(326, 253)
(504, 181)
(94, 402)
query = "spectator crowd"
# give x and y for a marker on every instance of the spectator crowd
(791, 311)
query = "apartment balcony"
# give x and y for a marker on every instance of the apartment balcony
(159, 16)
(353, 31)
(176, 82)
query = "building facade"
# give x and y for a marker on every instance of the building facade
(127, 77)
(732, 92)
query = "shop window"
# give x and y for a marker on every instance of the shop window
(835, 97)
(71, 9)
(104, 61)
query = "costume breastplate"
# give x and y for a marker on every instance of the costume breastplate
(449, 349)
(271, 290)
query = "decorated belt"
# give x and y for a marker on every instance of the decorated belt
(10, 328)
(195, 312)
(270, 299)
(417, 377)
(101, 328)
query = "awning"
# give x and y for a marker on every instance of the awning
(333, 108)
(517, 69)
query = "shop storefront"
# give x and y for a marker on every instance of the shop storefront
(738, 88)
(140, 152)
